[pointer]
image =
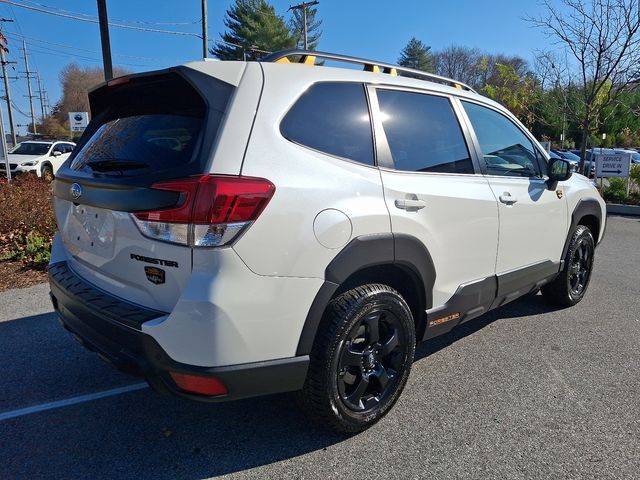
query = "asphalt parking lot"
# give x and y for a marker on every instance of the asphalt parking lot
(523, 392)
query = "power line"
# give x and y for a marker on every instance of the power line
(87, 15)
(91, 20)
(33, 42)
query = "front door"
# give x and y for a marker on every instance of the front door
(532, 217)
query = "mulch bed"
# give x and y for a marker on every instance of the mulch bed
(19, 275)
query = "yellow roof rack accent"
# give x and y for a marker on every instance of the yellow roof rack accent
(308, 57)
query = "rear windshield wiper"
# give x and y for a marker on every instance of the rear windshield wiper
(115, 165)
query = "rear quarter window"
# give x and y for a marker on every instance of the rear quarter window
(332, 118)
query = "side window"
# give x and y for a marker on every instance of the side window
(423, 133)
(58, 147)
(505, 148)
(332, 118)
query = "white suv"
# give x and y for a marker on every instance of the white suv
(40, 157)
(231, 229)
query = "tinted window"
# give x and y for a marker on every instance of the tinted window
(150, 126)
(332, 118)
(29, 148)
(423, 133)
(505, 148)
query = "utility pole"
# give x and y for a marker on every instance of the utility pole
(303, 6)
(47, 107)
(41, 95)
(7, 91)
(104, 39)
(205, 36)
(28, 75)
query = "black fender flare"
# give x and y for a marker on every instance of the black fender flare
(588, 206)
(360, 253)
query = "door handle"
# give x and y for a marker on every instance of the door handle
(410, 204)
(507, 199)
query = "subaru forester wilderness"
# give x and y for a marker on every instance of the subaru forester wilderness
(232, 229)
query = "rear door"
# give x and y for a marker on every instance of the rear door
(431, 187)
(145, 130)
(533, 218)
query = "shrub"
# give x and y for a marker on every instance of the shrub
(27, 222)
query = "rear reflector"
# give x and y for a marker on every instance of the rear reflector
(212, 210)
(209, 386)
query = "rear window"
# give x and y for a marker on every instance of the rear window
(152, 125)
(332, 118)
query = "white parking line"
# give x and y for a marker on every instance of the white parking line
(71, 401)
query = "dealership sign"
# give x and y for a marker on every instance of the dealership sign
(610, 165)
(78, 121)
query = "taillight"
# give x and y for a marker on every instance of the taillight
(212, 210)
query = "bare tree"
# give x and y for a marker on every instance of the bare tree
(603, 39)
(474, 67)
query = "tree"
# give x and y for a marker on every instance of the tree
(416, 55)
(603, 37)
(254, 29)
(459, 63)
(296, 27)
(518, 93)
(76, 82)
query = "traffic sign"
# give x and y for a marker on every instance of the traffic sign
(613, 165)
(78, 121)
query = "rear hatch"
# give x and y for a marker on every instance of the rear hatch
(146, 130)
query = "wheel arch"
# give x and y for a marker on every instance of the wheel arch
(588, 213)
(400, 261)
(46, 163)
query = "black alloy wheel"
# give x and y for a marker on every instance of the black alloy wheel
(370, 359)
(580, 268)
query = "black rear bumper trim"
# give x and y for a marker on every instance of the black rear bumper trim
(137, 353)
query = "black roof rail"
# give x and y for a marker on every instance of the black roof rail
(308, 57)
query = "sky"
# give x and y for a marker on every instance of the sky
(374, 29)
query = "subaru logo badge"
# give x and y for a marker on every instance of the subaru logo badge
(76, 191)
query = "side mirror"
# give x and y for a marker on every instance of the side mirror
(559, 171)
(56, 153)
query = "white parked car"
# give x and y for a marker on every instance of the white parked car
(305, 227)
(43, 158)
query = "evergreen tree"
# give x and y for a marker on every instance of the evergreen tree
(416, 55)
(252, 25)
(296, 26)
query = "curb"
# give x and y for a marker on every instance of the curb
(623, 209)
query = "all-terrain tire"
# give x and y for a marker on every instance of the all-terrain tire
(351, 351)
(570, 286)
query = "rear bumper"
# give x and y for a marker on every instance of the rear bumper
(110, 327)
